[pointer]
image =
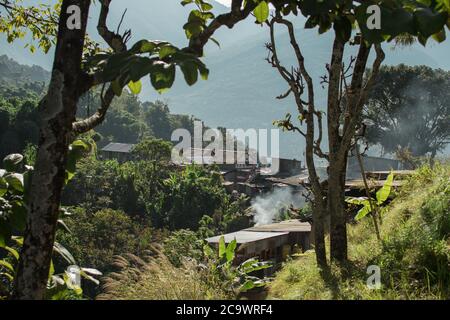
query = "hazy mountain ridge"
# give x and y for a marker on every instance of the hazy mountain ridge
(242, 87)
(12, 70)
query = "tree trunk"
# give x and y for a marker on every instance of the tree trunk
(337, 163)
(319, 234)
(58, 111)
(336, 208)
(319, 201)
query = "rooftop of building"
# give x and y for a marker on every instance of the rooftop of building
(118, 147)
(263, 232)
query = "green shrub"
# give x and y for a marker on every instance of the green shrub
(188, 196)
(183, 244)
(95, 238)
(419, 250)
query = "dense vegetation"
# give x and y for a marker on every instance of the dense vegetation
(122, 208)
(413, 256)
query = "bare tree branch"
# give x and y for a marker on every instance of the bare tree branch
(118, 44)
(114, 40)
(236, 14)
(361, 98)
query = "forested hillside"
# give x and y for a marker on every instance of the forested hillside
(120, 208)
(130, 119)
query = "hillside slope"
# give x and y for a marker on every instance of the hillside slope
(414, 256)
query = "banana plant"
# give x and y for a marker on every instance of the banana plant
(371, 205)
(240, 276)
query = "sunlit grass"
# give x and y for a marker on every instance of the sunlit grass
(413, 256)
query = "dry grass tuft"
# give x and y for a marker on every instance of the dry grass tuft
(153, 277)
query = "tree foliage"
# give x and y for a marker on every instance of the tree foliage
(15, 181)
(409, 107)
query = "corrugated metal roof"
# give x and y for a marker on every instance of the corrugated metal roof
(283, 226)
(245, 236)
(119, 147)
(296, 180)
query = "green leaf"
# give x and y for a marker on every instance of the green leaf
(343, 28)
(252, 265)
(204, 72)
(193, 28)
(385, 191)
(311, 23)
(18, 217)
(13, 252)
(215, 41)
(163, 76)
(135, 87)
(92, 271)
(208, 252)
(356, 201)
(3, 187)
(230, 250)
(222, 247)
(261, 12)
(117, 65)
(139, 67)
(15, 180)
(190, 72)
(206, 6)
(364, 211)
(7, 265)
(5, 233)
(166, 51)
(248, 285)
(429, 22)
(7, 275)
(51, 271)
(397, 22)
(144, 46)
(64, 253)
(185, 2)
(64, 225)
(440, 36)
(76, 151)
(12, 161)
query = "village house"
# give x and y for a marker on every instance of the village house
(272, 242)
(118, 151)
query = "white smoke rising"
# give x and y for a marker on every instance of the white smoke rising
(268, 206)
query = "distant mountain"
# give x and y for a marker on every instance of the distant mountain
(148, 19)
(10, 70)
(242, 87)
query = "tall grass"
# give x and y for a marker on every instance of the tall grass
(156, 278)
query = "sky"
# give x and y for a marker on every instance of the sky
(225, 2)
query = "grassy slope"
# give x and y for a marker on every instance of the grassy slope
(413, 257)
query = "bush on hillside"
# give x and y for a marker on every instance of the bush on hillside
(95, 238)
